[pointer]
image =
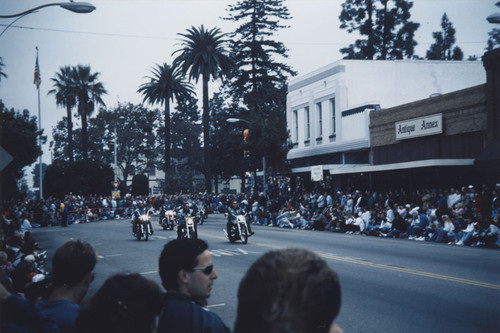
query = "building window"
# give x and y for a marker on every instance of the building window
(295, 126)
(332, 118)
(152, 171)
(319, 117)
(307, 123)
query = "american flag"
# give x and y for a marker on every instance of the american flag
(37, 78)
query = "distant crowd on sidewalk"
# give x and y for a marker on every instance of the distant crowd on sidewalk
(467, 215)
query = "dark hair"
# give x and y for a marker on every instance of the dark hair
(177, 255)
(291, 290)
(72, 262)
(124, 303)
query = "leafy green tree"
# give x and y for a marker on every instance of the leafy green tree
(80, 177)
(204, 53)
(186, 146)
(227, 140)
(385, 27)
(65, 97)
(18, 136)
(494, 39)
(258, 72)
(36, 173)
(88, 91)
(166, 83)
(140, 185)
(442, 48)
(2, 73)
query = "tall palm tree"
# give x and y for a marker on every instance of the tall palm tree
(166, 83)
(65, 97)
(88, 92)
(204, 54)
(1, 69)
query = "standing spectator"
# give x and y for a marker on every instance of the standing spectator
(25, 224)
(321, 201)
(72, 272)
(291, 290)
(187, 273)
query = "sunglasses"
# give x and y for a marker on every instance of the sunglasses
(207, 270)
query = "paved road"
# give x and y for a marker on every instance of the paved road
(389, 285)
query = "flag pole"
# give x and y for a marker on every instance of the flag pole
(38, 81)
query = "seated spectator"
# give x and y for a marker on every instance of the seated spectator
(124, 303)
(462, 237)
(318, 221)
(442, 234)
(355, 225)
(72, 272)
(490, 236)
(290, 290)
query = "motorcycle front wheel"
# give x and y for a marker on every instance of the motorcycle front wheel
(244, 234)
(139, 232)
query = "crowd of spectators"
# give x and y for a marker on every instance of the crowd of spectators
(468, 215)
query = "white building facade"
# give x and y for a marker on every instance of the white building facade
(328, 109)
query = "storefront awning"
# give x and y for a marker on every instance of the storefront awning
(346, 169)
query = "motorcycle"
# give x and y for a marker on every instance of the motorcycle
(238, 230)
(188, 230)
(167, 219)
(144, 228)
(202, 213)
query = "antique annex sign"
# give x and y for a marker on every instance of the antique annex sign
(411, 128)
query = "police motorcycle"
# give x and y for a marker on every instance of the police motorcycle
(237, 227)
(141, 222)
(168, 217)
(186, 227)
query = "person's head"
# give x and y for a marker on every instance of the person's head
(140, 203)
(290, 290)
(186, 266)
(234, 204)
(73, 264)
(124, 303)
(186, 207)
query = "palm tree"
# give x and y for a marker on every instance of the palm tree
(65, 97)
(88, 92)
(166, 83)
(1, 69)
(203, 53)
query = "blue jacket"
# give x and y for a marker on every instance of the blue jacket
(181, 314)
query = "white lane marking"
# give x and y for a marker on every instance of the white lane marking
(151, 272)
(215, 305)
(110, 255)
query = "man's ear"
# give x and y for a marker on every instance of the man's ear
(183, 276)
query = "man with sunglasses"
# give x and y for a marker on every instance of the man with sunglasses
(187, 273)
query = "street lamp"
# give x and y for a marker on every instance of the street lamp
(494, 18)
(76, 7)
(236, 120)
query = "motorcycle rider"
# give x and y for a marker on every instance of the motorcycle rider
(181, 217)
(233, 211)
(140, 209)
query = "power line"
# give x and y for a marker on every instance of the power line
(89, 32)
(172, 38)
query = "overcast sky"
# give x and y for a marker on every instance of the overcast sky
(123, 40)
